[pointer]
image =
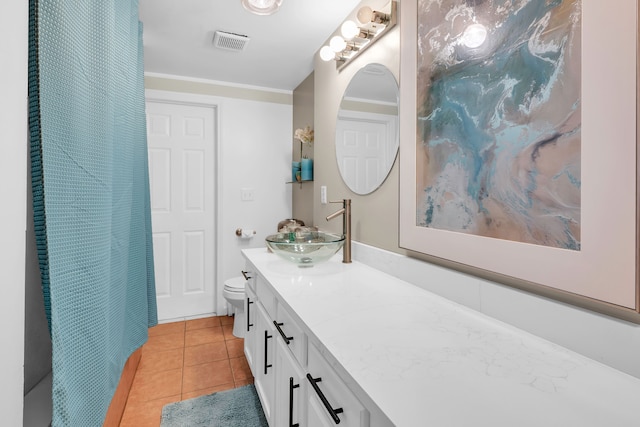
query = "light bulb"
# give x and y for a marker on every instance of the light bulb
(327, 54)
(337, 43)
(349, 30)
(364, 15)
(474, 36)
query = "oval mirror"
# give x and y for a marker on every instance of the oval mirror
(367, 129)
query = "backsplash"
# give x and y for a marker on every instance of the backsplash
(611, 341)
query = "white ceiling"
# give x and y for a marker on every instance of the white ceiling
(178, 39)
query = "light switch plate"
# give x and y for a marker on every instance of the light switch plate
(323, 194)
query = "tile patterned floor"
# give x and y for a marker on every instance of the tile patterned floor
(182, 360)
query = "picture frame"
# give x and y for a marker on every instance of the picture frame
(603, 274)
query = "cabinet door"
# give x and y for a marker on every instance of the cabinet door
(250, 308)
(329, 400)
(316, 415)
(265, 295)
(290, 387)
(289, 330)
(264, 378)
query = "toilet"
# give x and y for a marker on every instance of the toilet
(233, 292)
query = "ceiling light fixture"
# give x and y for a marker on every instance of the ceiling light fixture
(262, 7)
(357, 36)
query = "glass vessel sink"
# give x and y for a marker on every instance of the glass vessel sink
(305, 248)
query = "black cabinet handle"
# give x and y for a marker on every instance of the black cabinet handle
(249, 325)
(333, 412)
(245, 273)
(266, 337)
(291, 387)
(284, 337)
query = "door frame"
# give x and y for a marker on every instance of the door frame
(181, 98)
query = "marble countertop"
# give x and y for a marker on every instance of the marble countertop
(425, 360)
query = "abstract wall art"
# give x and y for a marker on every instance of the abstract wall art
(518, 143)
(498, 119)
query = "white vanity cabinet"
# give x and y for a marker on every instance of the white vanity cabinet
(259, 340)
(370, 350)
(291, 346)
(264, 373)
(290, 388)
(329, 400)
(250, 308)
(296, 384)
(278, 373)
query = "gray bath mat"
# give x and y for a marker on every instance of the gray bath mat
(239, 407)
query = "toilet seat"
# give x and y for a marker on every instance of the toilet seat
(235, 285)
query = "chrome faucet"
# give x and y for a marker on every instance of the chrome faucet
(346, 227)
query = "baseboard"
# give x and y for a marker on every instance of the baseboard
(119, 400)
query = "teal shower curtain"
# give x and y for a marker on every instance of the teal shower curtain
(91, 196)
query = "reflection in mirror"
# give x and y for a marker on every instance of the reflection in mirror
(367, 129)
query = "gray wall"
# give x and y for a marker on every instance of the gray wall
(303, 111)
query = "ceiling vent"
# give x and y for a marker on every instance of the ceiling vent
(230, 41)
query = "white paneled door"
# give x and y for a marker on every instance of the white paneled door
(362, 149)
(181, 140)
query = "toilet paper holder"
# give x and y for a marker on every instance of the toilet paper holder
(240, 233)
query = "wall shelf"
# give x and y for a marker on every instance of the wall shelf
(299, 182)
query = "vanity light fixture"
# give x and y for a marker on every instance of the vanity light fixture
(366, 15)
(337, 44)
(349, 30)
(262, 7)
(327, 54)
(356, 36)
